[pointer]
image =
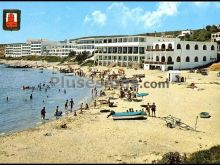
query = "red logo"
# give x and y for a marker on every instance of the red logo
(11, 19)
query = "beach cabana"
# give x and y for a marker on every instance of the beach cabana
(173, 75)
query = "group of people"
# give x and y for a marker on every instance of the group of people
(151, 108)
(71, 103)
(94, 92)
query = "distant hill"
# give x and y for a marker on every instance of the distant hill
(198, 35)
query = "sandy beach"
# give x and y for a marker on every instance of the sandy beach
(91, 137)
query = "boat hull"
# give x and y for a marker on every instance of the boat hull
(129, 117)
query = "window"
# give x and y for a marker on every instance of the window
(129, 50)
(119, 50)
(204, 58)
(105, 50)
(196, 59)
(178, 59)
(129, 58)
(162, 59)
(178, 46)
(135, 50)
(124, 50)
(212, 47)
(196, 47)
(156, 46)
(187, 59)
(170, 46)
(125, 40)
(114, 40)
(114, 49)
(141, 50)
(119, 39)
(136, 39)
(187, 47)
(109, 40)
(141, 39)
(204, 47)
(157, 58)
(125, 58)
(163, 46)
(130, 39)
(135, 58)
(169, 60)
(109, 49)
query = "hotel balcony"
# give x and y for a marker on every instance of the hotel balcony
(159, 63)
(159, 50)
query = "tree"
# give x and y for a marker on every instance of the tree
(82, 57)
(208, 27)
(72, 54)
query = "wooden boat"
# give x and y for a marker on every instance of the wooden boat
(128, 115)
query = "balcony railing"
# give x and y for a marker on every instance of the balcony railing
(159, 49)
(158, 62)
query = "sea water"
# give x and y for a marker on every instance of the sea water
(19, 112)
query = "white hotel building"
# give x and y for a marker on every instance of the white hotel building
(180, 55)
(31, 47)
(128, 50)
(124, 50)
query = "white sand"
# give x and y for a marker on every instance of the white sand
(93, 138)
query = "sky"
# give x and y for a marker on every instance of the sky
(67, 20)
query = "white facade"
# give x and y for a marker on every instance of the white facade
(124, 50)
(180, 55)
(17, 50)
(215, 37)
(36, 46)
(183, 33)
(61, 49)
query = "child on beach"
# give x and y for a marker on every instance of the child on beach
(87, 107)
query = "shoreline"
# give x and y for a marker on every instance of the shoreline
(91, 137)
(5, 62)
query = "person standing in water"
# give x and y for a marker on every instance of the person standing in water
(7, 98)
(81, 108)
(31, 97)
(66, 104)
(71, 104)
(43, 112)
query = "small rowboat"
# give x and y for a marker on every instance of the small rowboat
(128, 115)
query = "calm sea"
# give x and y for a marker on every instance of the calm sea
(20, 112)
